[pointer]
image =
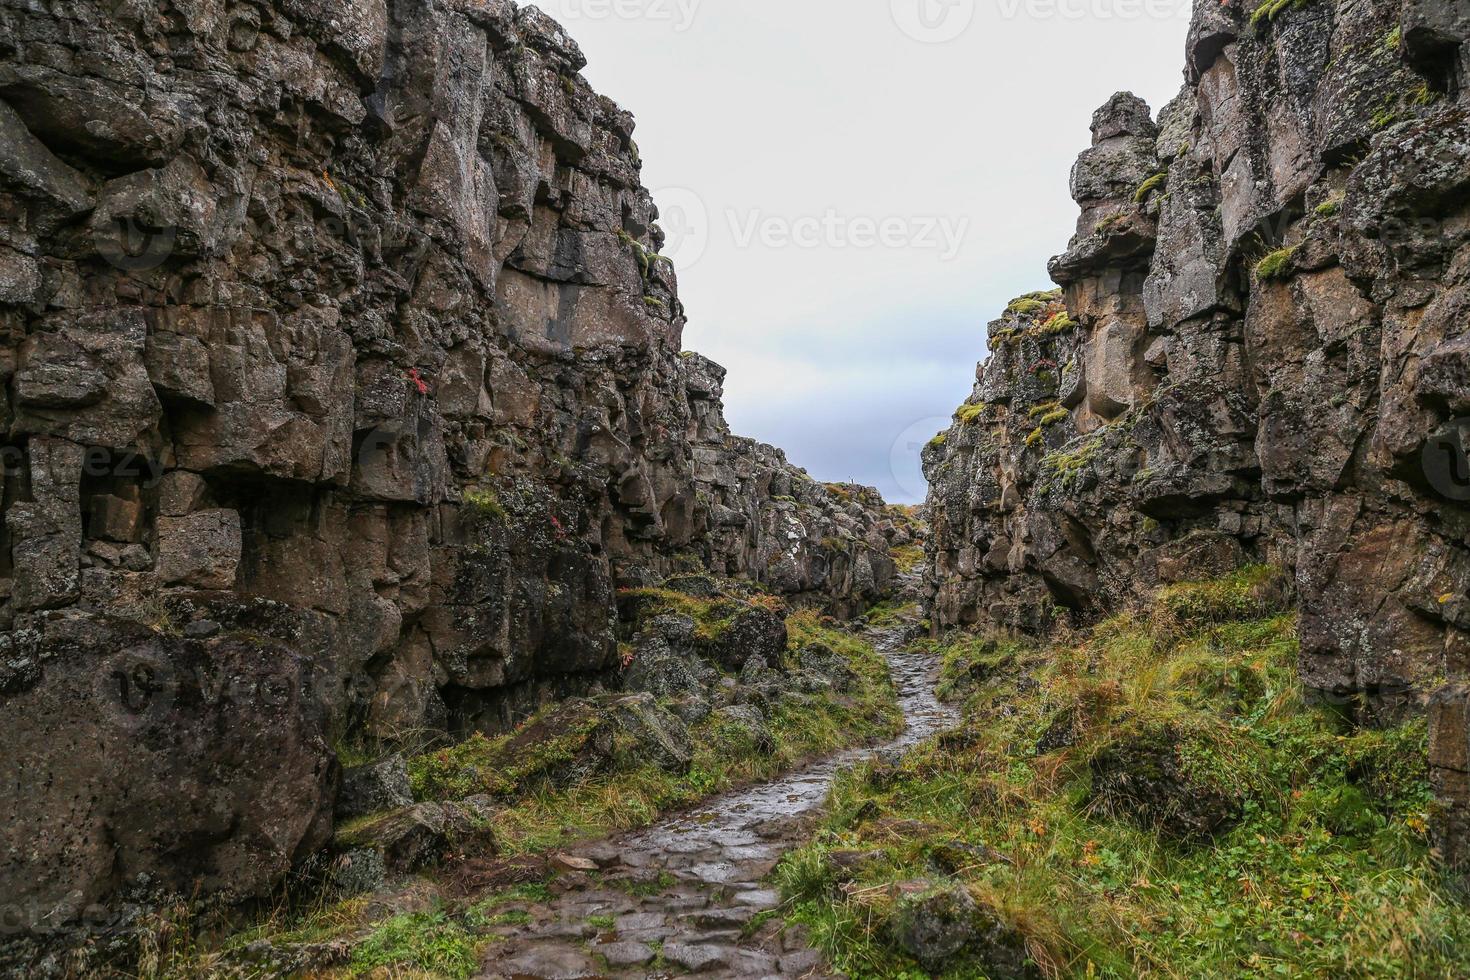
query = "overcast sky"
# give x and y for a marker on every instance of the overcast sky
(854, 188)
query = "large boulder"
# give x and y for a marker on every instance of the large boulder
(946, 926)
(663, 662)
(419, 836)
(754, 632)
(374, 788)
(140, 757)
(566, 744)
(1143, 778)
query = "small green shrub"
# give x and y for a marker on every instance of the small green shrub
(969, 414)
(430, 942)
(486, 503)
(1059, 323)
(1277, 265)
(1156, 182)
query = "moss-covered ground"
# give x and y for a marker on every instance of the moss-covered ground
(1315, 861)
(542, 815)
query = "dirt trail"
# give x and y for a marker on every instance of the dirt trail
(680, 897)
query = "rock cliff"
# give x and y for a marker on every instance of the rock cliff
(343, 392)
(1258, 354)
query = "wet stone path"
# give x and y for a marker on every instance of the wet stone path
(686, 896)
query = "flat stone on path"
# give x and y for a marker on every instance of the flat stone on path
(625, 954)
(697, 959)
(736, 918)
(759, 899)
(641, 922)
(569, 862)
(549, 962)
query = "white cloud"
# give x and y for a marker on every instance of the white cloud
(781, 120)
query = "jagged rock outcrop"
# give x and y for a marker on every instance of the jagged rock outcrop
(1258, 354)
(340, 329)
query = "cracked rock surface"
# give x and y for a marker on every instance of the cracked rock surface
(336, 331)
(1256, 355)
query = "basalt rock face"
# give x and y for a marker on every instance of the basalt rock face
(1258, 354)
(336, 332)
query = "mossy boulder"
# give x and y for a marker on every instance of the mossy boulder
(753, 632)
(824, 662)
(374, 788)
(663, 662)
(566, 744)
(944, 927)
(731, 624)
(421, 836)
(1143, 777)
(747, 723)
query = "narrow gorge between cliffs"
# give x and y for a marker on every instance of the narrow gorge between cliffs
(384, 593)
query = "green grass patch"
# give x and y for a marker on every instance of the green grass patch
(886, 615)
(1033, 302)
(907, 557)
(1322, 868)
(429, 942)
(969, 414)
(1277, 265)
(1268, 11)
(1049, 413)
(1059, 323)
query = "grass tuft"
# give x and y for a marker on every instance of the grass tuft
(428, 942)
(1154, 183)
(1277, 265)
